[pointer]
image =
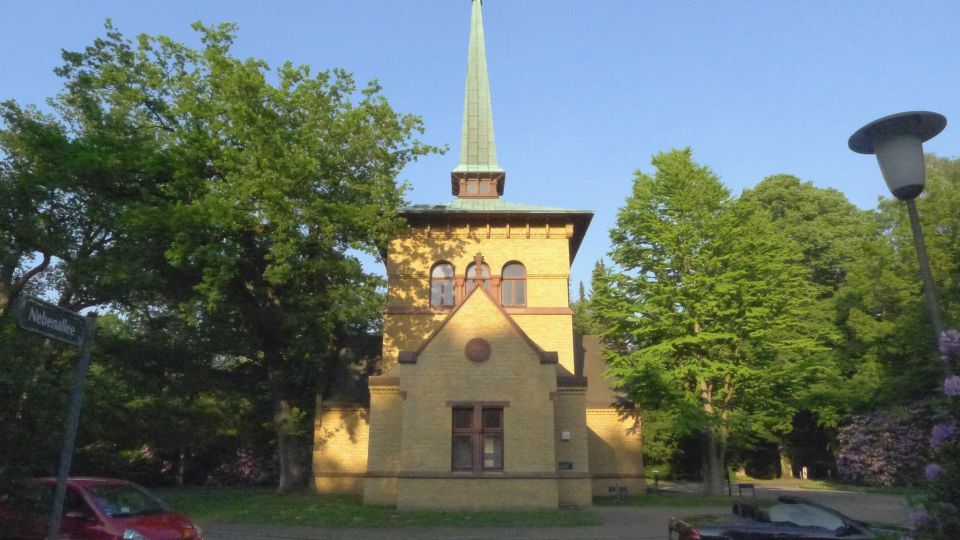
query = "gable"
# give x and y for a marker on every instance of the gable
(478, 315)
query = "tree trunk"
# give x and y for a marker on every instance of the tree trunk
(786, 467)
(282, 417)
(4, 301)
(713, 468)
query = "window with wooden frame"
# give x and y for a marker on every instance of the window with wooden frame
(513, 285)
(441, 285)
(471, 276)
(477, 443)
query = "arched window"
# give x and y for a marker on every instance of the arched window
(441, 285)
(472, 274)
(513, 285)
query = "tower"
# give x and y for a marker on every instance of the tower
(480, 403)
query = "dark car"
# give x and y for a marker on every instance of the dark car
(791, 517)
(94, 509)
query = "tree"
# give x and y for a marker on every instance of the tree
(584, 321)
(701, 309)
(67, 189)
(888, 339)
(830, 232)
(250, 191)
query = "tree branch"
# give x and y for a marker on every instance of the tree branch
(19, 284)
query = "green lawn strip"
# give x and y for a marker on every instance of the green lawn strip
(833, 486)
(679, 500)
(303, 508)
(796, 483)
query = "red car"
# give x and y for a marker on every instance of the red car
(94, 509)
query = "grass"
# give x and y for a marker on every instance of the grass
(676, 500)
(835, 486)
(830, 486)
(263, 506)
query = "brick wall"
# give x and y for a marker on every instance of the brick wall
(616, 452)
(513, 375)
(386, 412)
(569, 418)
(340, 439)
(476, 494)
(543, 250)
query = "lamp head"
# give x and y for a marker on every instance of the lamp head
(897, 140)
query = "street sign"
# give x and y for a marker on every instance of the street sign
(54, 322)
(51, 321)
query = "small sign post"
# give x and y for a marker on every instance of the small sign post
(51, 321)
(64, 325)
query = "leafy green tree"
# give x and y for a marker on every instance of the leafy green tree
(285, 181)
(701, 309)
(831, 232)
(584, 321)
(224, 193)
(881, 307)
(30, 230)
(65, 190)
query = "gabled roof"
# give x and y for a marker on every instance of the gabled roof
(486, 206)
(546, 357)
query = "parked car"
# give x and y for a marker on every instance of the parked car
(94, 509)
(791, 517)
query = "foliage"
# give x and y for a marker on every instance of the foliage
(219, 206)
(883, 314)
(703, 311)
(939, 516)
(34, 384)
(584, 320)
(883, 449)
(830, 232)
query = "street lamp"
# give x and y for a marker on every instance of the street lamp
(897, 140)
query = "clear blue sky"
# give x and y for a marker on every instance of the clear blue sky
(584, 93)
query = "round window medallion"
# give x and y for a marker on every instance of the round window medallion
(478, 350)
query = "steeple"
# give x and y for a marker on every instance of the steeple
(478, 174)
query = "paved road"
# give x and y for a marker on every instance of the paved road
(618, 522)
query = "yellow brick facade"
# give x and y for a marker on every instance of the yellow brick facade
(557, 451)
(570, 438)
(514, 378)
(340, 440)
(543, 249)
(616, 451)
(521, 361)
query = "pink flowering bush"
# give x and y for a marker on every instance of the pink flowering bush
(951, 386)
(941, 503)
(883, 450)
(246, 468)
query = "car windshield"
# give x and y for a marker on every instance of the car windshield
(121, 500)
(804, 515)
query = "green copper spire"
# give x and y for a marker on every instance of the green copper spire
(477, 151)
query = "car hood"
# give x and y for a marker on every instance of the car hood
(159, 526)
(754, 530)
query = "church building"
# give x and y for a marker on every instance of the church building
(483, 398)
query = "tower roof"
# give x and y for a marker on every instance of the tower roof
(478, 153)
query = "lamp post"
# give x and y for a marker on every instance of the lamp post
(897, 140)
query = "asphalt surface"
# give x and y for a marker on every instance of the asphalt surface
(618, 522)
